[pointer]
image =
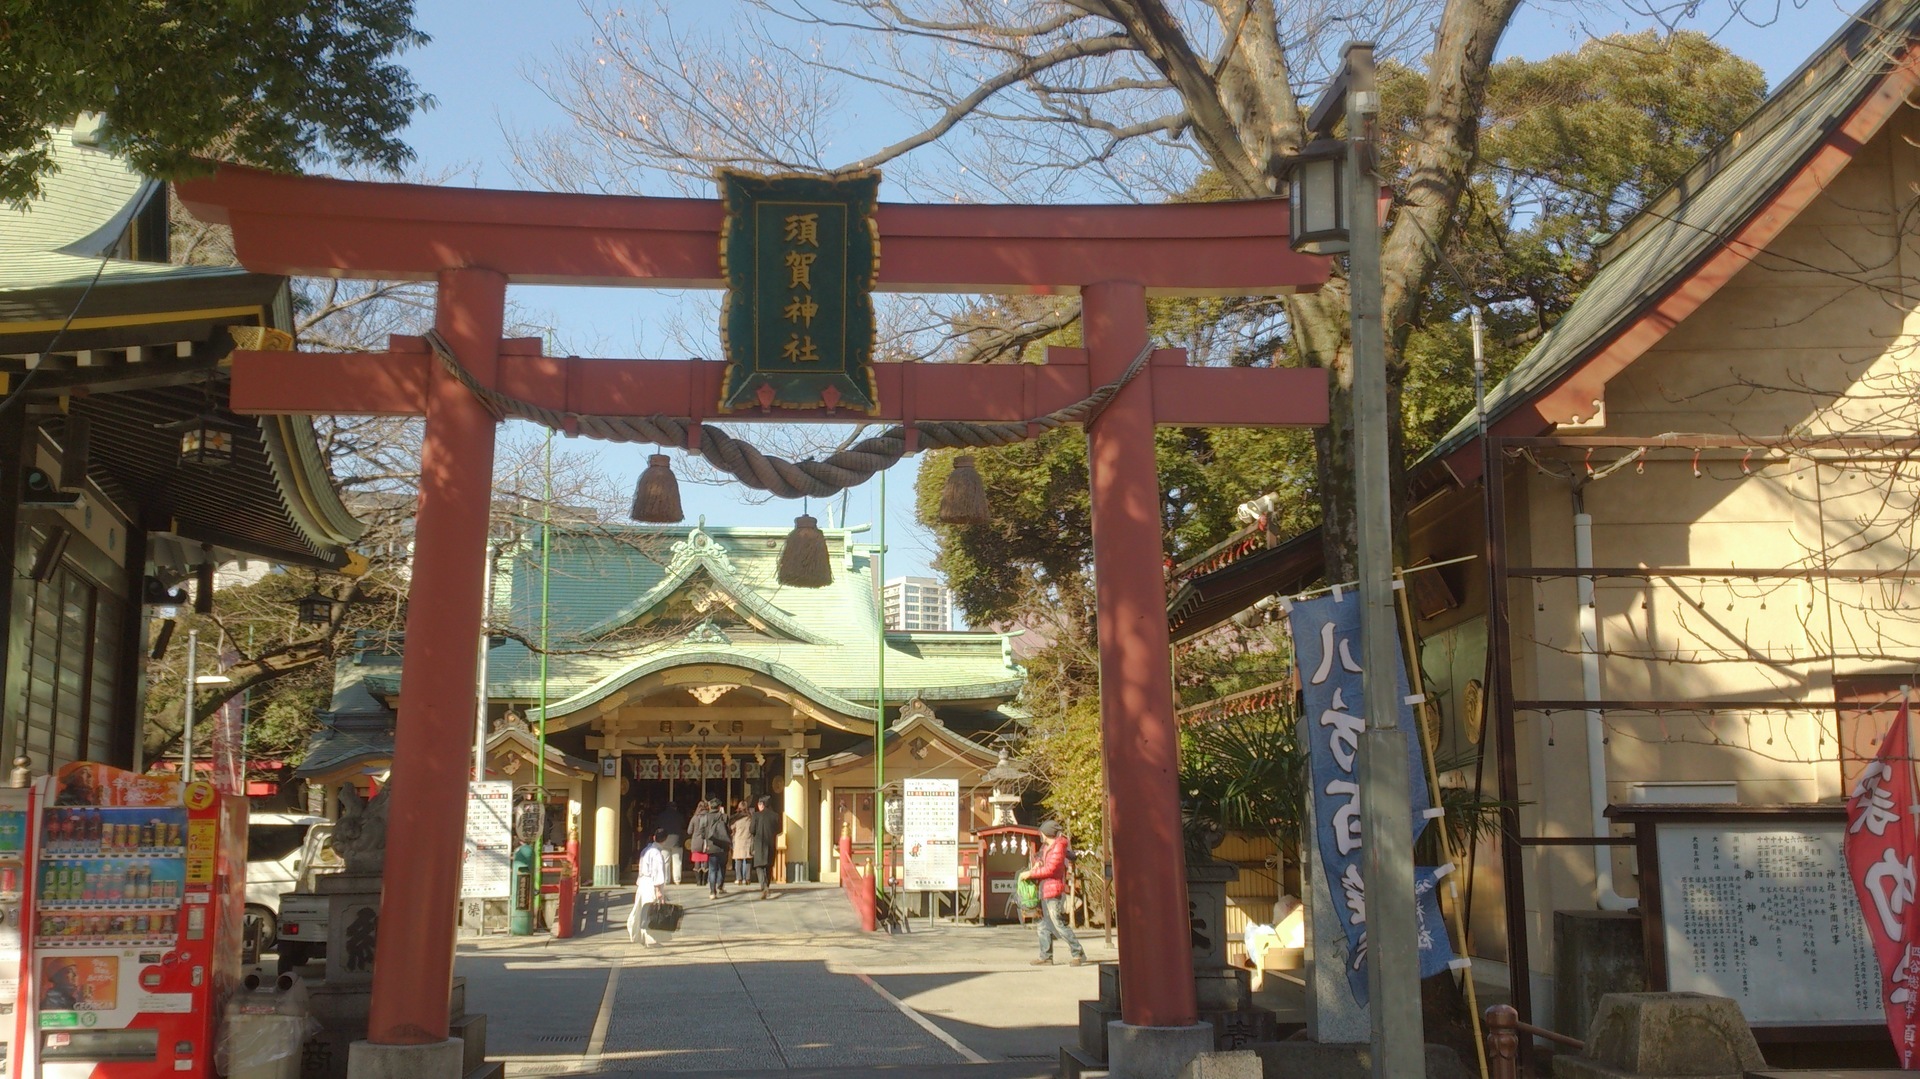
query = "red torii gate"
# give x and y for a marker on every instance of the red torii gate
(474, 243)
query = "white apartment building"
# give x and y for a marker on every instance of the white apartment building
(917, 605)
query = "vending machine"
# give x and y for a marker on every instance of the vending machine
(134, 928)
(16, 849)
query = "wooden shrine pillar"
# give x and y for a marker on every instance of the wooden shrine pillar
(1138, 739)
(427, 809)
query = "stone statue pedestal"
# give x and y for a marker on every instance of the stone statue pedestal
(343, 992)
(353, 924)
(1224, 992)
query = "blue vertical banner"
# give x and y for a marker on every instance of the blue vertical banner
(1326, 644)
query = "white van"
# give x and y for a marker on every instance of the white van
(276, 852)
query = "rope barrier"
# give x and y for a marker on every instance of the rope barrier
(845, 468)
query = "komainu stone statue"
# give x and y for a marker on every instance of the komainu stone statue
(360, 837)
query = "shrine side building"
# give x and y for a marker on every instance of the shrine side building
(1702, 529)
(678, 669)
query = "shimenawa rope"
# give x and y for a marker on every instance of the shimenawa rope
(845, 468)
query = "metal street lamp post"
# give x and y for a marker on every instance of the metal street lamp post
(1322, 182)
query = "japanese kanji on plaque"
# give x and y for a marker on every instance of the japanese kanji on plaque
(800, 254)
(1764, 913)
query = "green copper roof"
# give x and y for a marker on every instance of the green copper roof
(58, 239)
(628, 602)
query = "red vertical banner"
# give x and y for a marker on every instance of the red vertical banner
(1880, 848)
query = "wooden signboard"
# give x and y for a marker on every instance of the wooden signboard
(1754, 903)
(801, 254)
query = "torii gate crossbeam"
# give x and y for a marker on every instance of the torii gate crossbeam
(473, 243)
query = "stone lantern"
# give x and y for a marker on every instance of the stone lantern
(1007, 779)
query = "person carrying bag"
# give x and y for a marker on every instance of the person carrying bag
(651, 913)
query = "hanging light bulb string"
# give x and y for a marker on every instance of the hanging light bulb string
(845, 468)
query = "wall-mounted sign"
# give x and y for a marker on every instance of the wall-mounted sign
(800, 254)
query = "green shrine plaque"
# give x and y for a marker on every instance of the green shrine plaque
(800, 254)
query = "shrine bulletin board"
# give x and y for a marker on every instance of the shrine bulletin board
(1754, 903)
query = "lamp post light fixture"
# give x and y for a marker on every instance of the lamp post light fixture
(1317, 198)
(204, 443)
(316, 609)
(1393, 954)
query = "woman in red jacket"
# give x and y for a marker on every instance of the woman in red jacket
(1050, 869)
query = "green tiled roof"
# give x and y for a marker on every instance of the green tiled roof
(1691, 221)
(57, 239)
(607, 583)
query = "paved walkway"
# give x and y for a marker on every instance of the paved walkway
(782, 987)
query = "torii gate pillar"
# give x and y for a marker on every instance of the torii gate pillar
(449, 560)
(1138, 740)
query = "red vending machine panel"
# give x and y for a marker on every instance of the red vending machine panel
(135, 925)
(15, 852)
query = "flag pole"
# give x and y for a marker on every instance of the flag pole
(1913, 758)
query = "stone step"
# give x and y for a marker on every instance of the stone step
(1110, 985)
(1094, 1017)
(472, 1032)
(1078, 1064)
(1223, 988)
(1232, 1027)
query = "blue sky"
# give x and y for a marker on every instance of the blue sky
(484, 51)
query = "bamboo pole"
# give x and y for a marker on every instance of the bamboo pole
(1446, 839)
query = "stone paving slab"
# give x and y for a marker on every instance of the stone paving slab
(786, 987)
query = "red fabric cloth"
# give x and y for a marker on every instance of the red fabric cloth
(1881, 852)
(1051, 869)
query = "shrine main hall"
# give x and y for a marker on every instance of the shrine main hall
(679, 669)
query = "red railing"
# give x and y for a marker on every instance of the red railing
(858, 886)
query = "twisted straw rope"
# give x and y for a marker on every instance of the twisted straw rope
(845, 468)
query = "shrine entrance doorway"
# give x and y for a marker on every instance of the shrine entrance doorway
(474, 243)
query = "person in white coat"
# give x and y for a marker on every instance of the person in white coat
(651, 888)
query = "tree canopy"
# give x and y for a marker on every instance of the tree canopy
(274, 85)
(1569, 146)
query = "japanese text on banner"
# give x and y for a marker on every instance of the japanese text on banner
(1881, 848)
(1326, 638)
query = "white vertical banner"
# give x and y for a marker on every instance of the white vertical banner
(930, 832)
(486, 865)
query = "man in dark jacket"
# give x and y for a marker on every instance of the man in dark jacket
(1050, 870)
(764, 832)
(669, 820)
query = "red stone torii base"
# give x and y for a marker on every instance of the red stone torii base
(474, 243)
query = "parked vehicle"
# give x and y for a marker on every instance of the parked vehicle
(283, 850)
(303, 913)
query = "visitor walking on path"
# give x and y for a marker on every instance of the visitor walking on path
(1050, 870)
(763, 832)
(742, 843)
(650, 889)
(668, 821)
(712, 838)
(697, 842)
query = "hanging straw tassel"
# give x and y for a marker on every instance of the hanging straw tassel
(963, 501)
(656, 498)
(804, 561)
